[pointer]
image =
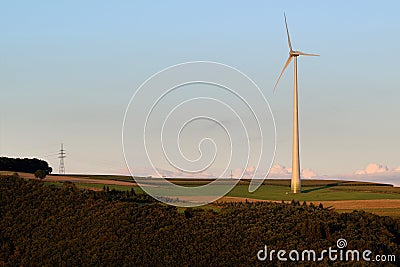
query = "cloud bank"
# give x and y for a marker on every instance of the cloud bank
(374, 168)
(375, 172)
(280, 171)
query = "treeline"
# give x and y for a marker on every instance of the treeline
(65, 226)
(24, 165)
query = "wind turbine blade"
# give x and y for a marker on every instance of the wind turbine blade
(283, 70)
(306, 54)
(287, 32)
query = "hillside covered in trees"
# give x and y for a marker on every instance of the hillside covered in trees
(65, 226)
(24, 165)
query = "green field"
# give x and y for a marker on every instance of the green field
(278, 189)
(319, 193)
(273, 189)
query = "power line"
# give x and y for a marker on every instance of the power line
(49, 155)
(61, 169)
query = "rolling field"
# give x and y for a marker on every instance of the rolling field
(319, 193)
(343, 196)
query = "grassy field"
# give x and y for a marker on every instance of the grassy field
(319, 193)
(272, 189)
(313, 191)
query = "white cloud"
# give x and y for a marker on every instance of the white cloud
(373, 168)
(247, 173)
(377, 173)
(167, 173)
(308, 173)
(180, 174)
(359, 172)
(276, 171)
(237, 172)
(280, 171)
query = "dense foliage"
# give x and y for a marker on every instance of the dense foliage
(52, 226)
(24, 165)
(41, 174)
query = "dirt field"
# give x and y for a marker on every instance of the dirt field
(58, 178)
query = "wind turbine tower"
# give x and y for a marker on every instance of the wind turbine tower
(296, 182)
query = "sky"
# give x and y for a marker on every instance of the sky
(69, 68)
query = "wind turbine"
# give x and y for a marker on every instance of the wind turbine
(295, 183)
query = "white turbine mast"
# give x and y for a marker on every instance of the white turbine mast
(296, 182)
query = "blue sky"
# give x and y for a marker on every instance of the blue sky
(69, 68)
